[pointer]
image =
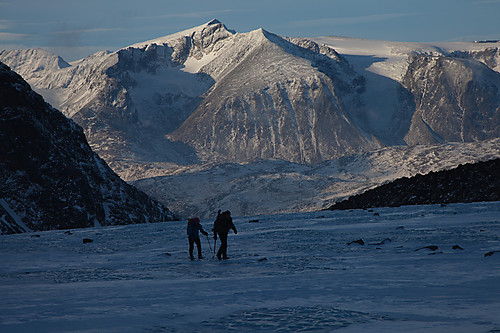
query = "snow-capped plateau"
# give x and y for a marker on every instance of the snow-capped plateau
(389, 58)
(185, 103)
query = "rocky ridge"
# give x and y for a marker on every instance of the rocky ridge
(473, 182)
(49, 176)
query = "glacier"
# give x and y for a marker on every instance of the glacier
(287, 272)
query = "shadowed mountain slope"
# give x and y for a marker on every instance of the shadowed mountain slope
(49, 176)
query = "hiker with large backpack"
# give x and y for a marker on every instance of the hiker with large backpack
(222, 225)
(193, 227)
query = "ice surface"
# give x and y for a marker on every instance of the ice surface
(139, 278)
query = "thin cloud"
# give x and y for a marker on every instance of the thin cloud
(488, 2)
(5, 24)
(9, 36)
(212, 13)
(350, 20)
(67, 36)
(470, 38)
(82, 31)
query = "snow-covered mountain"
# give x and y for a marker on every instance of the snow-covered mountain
(276, 98)
(208, 95)
(49, 176)
(450, 90)
(277, 186)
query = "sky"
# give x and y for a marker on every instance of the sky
(77, 28)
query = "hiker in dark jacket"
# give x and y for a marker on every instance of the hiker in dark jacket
(193, 227)
(222, 225)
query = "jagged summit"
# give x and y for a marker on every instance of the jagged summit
(275, 98)
(33, 63)
(44, 58)
(212, 27)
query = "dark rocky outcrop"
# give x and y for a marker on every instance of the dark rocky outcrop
(49, 176)
(359, 241)
(466, 183)
(430, 247)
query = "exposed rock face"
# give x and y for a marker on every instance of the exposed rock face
(456, 100)
(466, 183)
(489, 56)
(286, 99)
(49, 176)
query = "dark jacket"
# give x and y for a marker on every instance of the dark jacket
(193, 227)
(223, 224)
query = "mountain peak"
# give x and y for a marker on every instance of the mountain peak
(186, 33)
(44, 58)
(214, 21)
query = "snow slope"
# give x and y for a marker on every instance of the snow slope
(286, 273)
(274, 186)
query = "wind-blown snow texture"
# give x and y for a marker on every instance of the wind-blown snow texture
(311, 281)
(49, 176)
(209, 95)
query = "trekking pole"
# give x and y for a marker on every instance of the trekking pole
(209, 245)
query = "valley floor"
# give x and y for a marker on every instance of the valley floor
(286, 273)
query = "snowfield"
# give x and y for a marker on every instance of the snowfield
(286, 273)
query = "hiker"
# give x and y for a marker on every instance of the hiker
(222, 225)
(193, 227)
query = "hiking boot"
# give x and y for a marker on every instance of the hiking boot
(200, 257)
(225, 257)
